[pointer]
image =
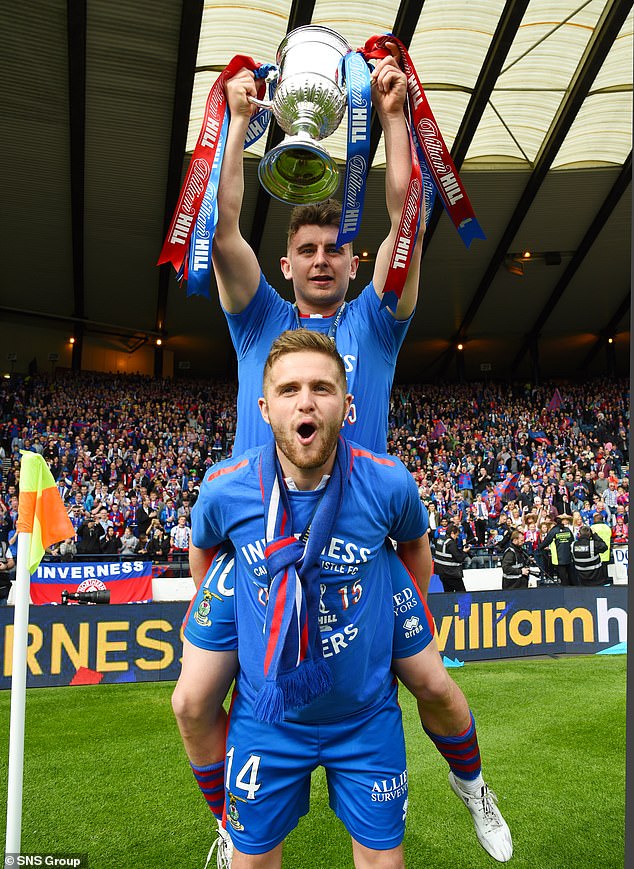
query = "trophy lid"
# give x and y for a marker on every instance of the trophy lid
(313, 33)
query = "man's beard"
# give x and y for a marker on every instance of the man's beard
(308, 458)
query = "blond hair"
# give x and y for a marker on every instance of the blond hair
(301, 341)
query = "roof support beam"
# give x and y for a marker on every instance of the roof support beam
(503, 37)
(301, 13)
(609, 204)
(87, 325)
(608, 330)
(191, 17)
(76, 24)
(597, 49)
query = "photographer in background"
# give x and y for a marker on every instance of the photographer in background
(517, 564)
(89, 536)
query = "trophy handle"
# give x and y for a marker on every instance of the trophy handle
(264, 104)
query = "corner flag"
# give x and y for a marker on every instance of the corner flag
(42, 520)
(41, 512)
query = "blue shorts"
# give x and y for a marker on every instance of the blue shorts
(268, 769)
(210, 620)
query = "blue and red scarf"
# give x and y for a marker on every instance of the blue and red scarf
(295, 671)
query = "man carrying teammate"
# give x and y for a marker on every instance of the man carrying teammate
(368, 338)
(337, 707)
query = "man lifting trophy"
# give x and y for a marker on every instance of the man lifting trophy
(317, 76)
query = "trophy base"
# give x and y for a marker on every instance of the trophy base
(298, 172)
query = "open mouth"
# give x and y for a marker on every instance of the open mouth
(321, 279)
(306, 433)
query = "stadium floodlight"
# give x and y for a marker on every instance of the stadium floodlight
(97, 596)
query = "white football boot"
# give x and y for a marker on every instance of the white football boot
(491, 829)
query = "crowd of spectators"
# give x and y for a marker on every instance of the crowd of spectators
(492, 458)
(128, 454)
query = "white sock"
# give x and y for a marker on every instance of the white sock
(222, 830)
(470, 786)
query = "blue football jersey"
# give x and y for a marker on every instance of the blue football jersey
(355, 614)
(367, 337)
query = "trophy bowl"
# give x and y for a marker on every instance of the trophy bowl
(308, 104)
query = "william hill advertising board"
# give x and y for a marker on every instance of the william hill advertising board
(142, 642)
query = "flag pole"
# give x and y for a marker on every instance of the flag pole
(18, 695)
(42, 520)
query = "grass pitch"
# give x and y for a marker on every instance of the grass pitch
(105, 774)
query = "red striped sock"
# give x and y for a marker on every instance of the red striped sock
(211, 781)
(461, 752)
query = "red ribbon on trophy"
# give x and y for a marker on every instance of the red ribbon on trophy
(193, 189)
(438, 161)
(409, 225)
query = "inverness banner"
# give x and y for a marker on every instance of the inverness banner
(127, 581)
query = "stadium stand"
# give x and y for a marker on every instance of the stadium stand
(130, 450)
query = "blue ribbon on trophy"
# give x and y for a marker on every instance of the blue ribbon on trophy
(196, 268)
(316, 76)
(356, 78)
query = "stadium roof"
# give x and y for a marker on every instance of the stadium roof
(103, 103)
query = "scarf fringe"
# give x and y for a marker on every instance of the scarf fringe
(293, 690)
(268, 705)
(311, 680)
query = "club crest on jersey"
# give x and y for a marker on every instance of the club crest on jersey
(233, 815)
(204, 608)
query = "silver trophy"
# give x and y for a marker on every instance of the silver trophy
(308, 104)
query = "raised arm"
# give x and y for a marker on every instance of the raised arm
(389, 89)
(235, 264)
